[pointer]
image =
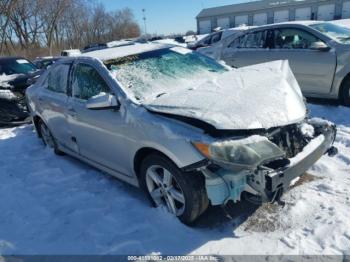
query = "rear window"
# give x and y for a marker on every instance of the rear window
(16, 66)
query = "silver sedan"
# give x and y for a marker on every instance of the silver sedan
(318, 53)
(187, 130)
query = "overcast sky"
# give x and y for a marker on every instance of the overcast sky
(167, 16)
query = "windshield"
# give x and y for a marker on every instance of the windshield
(16, 66)
(338, 33)
(152, 74)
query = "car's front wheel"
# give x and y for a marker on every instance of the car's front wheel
(48, 138)
(183, 194)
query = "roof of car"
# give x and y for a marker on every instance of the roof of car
(6, 58)
(305, 23)
(122, 51)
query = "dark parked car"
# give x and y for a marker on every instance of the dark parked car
(44, 62)
(16, 74)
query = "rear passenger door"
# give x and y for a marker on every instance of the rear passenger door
(314, 69)
(53, 100)
(248, 49)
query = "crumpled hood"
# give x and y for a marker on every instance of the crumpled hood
(260, 96)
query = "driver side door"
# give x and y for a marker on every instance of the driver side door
(96, 132)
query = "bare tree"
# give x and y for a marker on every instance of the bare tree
(36, 27)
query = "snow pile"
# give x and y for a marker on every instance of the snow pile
(342, 22)
(58, 205)
(5, 79)
(170, 41)
(7, 94)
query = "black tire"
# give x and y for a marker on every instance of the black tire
(53, 145)
(345, 92)
(192, 186)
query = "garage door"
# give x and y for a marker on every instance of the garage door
(204, 27)
(260, 19)
(241, 20)
(223, 22)
(346, 10)
(303, 13)
(326, 12)
(281, 16)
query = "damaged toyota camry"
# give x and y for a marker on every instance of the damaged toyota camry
(186, 129)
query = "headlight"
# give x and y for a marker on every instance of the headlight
(248, 152)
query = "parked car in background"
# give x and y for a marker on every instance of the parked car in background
(16, 74)
(185, 128)
(44, 62)
(70, 52)
(94, 47)
(318, 53)
(100, 46)
(211, 39)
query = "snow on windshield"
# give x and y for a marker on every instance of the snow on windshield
(155, 73)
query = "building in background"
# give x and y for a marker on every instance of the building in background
(270, 11)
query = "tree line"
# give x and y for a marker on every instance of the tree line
(44, 27)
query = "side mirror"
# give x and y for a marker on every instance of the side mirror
(103, 101)
(319, 46)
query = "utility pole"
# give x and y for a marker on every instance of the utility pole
(144, 19)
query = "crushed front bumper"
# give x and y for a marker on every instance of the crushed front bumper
(271, 183)
(266, 184)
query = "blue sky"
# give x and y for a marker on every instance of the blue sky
(167, 16)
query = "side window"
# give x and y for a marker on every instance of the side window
(255, 40)
(87, 82)
(216, 38)
(290, 38)
(238, 42)
(206, 40)
(57, 78)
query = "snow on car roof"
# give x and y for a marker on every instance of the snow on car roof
(121, 51)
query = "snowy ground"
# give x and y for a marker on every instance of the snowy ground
(57, 205)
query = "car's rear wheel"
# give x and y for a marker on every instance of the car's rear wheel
(345, 92)
(183, 194)
(48, 138)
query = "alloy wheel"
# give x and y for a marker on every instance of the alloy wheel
(164, 189)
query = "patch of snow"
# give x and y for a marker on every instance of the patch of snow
(307, 150)
(169, 41)
(122, 51)
(294, 181)
(5, 79)
(342, 22)
(307, 130)
(245, 141)
(7, 94)
(58, 205)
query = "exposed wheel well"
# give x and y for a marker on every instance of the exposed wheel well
(141, 154)
(342, 86)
